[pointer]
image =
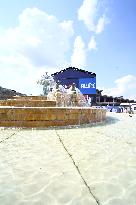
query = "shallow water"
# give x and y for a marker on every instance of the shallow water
(80, 165)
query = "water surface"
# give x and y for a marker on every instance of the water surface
(80, 165)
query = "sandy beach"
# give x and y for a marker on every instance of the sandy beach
(80, 165)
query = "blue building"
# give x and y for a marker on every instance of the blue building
(85, 81)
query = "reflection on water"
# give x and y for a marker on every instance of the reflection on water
(35, 168)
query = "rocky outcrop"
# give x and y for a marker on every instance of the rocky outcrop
(8, 93)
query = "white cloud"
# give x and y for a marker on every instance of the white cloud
(18, 74)
(101, 24)
(89, 14)
(39, 42)
(78, 58)
(92, 44)
(124, 86)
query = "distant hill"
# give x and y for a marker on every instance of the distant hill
(8, 93)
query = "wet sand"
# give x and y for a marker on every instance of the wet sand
(87, 165)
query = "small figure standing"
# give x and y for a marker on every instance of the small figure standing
(130, 111)
(58, 95)
(74, 100)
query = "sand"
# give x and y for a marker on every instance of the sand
(80, 165)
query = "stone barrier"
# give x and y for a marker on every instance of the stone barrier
(27, 103)
(30, 97)
(49, 116)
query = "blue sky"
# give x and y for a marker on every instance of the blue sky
(50, 35)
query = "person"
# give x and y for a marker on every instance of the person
(130, 111)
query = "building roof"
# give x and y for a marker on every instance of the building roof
(74, 69)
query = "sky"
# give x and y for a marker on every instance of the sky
(38, 36)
